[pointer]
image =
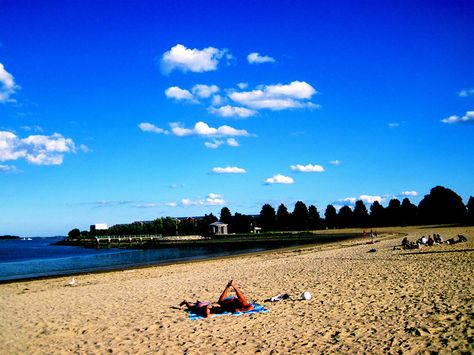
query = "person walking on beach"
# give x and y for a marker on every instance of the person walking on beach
(224, 304)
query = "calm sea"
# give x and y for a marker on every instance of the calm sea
(20, 259)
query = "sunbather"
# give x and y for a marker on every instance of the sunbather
(224, 304)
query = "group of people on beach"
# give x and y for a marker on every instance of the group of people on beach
(430, 240)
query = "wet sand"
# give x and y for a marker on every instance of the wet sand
(377, 302)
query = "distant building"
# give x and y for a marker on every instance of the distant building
(99, 227)
(218, 228)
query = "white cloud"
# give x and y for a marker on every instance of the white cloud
(7, 85)
(232, 111)
(232, 142)
(175, 92)
(9, 169)
(211, 200)
(32, 128)
(309, 168)
(466, 93)
(394, 125)
(370, 198)
(242, 86)
(36, 149)
(364, 198)
(186, 59)
(171, 204)
(203, 129)
(350, 200)
(276, 97)
(279, 179)
(217, 100)
(150, 127)
(84, 148)
(204, 91)
(467, 118)
(409, 193)
(335, 162)
(229, 170)
(256, 58)
(213, 144)
(216, 143)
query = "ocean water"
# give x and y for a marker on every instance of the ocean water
(20, 259)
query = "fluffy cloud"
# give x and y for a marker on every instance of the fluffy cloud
(36, 149)
(175, 92)
(467, 118)
(204, 91)
(276, 97)
(211, 200)
(198, 91)
(216, 143)
(150, 127)
(232, 111)
(256, 58)
(364, 198)
(279, 179)
(203, 129)
(242, 86)
(228, 170)
(466, 93)
(7, 85)
(232, 142)
(370, 198)
(186, 59)
(409, 193)
(310, 168)
(335, 162)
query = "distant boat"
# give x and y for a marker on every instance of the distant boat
(29, 239)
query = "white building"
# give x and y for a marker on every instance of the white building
(218, 228)
(99, 227)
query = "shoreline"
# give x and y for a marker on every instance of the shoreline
(270, 244)
(412, 301)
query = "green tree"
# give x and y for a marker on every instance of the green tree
(377, 214)
(408, 213)
(74, 233)
(314, 220)
(330, 216)
(267, 218)
(470, 211)
(442, 205)
(299, 216)
(393, 212)
(345, 217)
(226, 217)
(360, 215)
(282, 218)
(242, 223)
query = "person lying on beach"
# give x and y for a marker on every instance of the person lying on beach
(224, 304)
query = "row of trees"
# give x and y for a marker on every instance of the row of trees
(440, 206)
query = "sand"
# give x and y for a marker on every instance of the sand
(389, 301)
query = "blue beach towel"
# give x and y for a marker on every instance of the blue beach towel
(257, 308)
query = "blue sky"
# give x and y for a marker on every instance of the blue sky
(112, 112)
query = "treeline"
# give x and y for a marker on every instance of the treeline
(440, 206)
(161, 226)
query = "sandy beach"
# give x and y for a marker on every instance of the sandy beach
(388, 301)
